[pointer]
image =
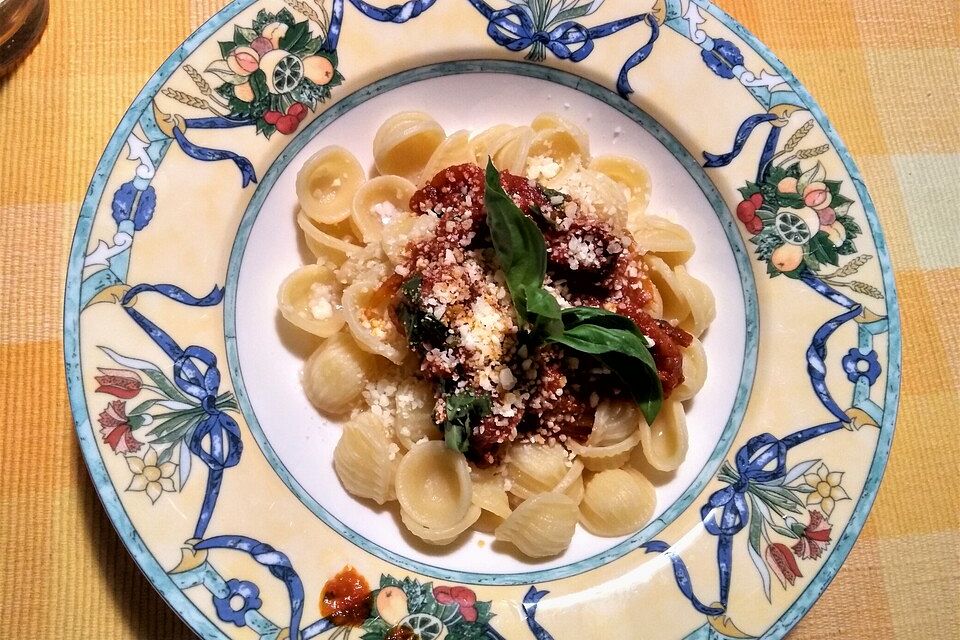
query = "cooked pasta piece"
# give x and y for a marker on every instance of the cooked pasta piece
(480, 142)
(378, 202)
(405, 142)
(699, 299)
(509, 150)
(607, 199)
(664, 443)
(365, 311)
(365, 460)
(334, 375)
(551, 121)
(327, 183)
(616, 502)
(440, 535)
(668, 240)
(694, 371)
(542, 526)
(534, 468)
(414, 413)
(612, 456)
(674, 303)
(433, 485)
(488, 492)
(333, 246)
(454, 150)
(309, 298)
(629, 174)
(396, 237)
(614, 421)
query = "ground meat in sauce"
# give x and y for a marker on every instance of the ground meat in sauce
(586, 250)
(586, 259)
(558, 407)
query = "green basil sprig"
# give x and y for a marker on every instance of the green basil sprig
(522, 255)
(617, 342)
(613, 339)
(464, 410)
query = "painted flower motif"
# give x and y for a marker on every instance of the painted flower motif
(121, 383)
(826, 489)
(465, 598)
(115, 428)
(242, 596)
(856, 364)
(780, 559)
(814, 538)
(150, 475)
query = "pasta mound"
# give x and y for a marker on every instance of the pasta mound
(455, 404)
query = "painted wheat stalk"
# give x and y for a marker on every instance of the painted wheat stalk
(851, 267)
(203, 85)
(798, 135)
(804, 154)
(189, 100)
(308, 11)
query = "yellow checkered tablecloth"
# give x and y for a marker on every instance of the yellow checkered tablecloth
(885, 73)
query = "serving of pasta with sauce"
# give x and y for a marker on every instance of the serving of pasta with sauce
(508, 335)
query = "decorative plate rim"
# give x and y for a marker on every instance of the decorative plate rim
(185, 608)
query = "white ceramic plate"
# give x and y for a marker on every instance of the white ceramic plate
(216, 470)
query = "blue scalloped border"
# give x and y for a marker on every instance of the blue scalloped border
(188, 611)
(594, 90)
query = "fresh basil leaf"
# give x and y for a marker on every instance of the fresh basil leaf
(600, 317)
(544, 312)
(517, 241)
(419, 325)
(623, 350)
(464, 410)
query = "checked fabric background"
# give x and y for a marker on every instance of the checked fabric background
(887, 75)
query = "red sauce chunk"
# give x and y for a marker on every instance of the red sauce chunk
(346, 598)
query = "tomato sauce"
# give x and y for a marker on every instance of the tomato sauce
(346, 598)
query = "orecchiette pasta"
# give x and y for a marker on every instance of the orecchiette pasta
(378, 202)
(328, 246)
(308, 298)
(334, 376)
(509, 150)
(542, 526)
(700, 301)
(414, 413)
(363, 458)
(433, 485)
(369, 322)
(456, 406)
(668, 240)
(440, 535)
(327, 183)
(489, 494)
(629, 174)
(616, 502)
(694, 371)
(405, 142)
(454, 150)
(674, 303)
(664, 443)
(480, 143)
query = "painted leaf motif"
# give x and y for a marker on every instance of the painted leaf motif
(222, 70)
